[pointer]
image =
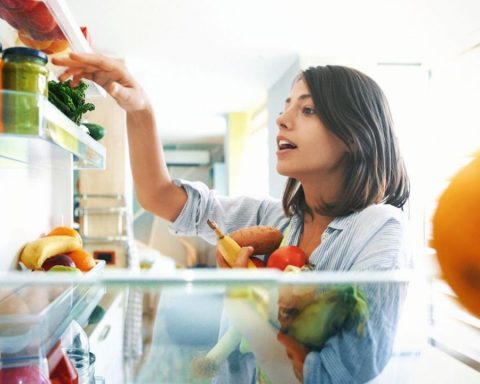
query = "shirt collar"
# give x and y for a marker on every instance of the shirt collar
(339, 223)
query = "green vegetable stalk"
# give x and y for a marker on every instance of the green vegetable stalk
(342, 307)
(207, 366)
(69, 100)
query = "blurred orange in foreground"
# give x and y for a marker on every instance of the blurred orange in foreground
(456, 235)
(82, 259)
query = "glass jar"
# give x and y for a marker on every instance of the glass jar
(24, 71)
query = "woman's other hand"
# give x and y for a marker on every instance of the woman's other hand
(295, 352)
(109, 73)
(242, 258)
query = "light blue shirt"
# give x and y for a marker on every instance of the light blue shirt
(373, 239)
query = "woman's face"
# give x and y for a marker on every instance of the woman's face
(305, 147)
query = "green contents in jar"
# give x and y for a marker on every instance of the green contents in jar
(25, 73)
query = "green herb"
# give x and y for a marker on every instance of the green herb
(69, 100)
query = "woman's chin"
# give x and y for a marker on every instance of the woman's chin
(284, 171)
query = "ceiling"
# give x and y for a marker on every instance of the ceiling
(200, 59)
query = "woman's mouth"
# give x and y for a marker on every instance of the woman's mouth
(285, 146)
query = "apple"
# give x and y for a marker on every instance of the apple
(64, 268)
(58, 260)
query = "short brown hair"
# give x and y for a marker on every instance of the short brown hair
(354, 108)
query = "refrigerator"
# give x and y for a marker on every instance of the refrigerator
(155, 323)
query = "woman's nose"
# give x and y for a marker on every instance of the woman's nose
(282, 120)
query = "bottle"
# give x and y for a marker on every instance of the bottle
(77, 347)
(24, 71)
(227, 247)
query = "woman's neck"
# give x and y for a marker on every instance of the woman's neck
(320, 191)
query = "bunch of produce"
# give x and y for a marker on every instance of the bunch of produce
(71, 102)
(60, 250)
(312, 323)
(308, 316)
(265, 241)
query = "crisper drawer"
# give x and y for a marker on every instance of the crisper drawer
(106, 340)
(42, 313)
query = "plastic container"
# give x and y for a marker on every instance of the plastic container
(15, 370)
(48, 313)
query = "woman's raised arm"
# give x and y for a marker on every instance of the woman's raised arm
(154, 187)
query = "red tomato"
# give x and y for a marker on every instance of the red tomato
(289, 255)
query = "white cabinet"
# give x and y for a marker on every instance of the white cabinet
(106, 339)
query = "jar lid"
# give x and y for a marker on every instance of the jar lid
(25, 51)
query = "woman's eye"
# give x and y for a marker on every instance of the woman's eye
(309, 111)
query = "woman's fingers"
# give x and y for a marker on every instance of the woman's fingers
(109, 73)
(243, 257)
(221, 261)
(88, 61)
(93, 66)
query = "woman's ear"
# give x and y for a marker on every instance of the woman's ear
(350, 144)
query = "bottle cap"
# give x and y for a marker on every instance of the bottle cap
(26, 52)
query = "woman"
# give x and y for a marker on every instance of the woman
(342, 203)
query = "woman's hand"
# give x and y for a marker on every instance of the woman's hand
(109, 73)
(242, 258)
(295, 352)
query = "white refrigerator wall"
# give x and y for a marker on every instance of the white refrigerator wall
(35, 196)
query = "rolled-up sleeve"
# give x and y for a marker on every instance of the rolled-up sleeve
(230, 213)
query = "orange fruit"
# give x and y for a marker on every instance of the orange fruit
(57, 46)
(65, 231)
(82, 259)
(456, 235)
(32, 43)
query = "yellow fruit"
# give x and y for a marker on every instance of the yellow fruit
(456, 235)
(65, 231)
(227, 247)
(36, 252)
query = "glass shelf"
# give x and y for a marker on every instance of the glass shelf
(28, 117)
(186, 312)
